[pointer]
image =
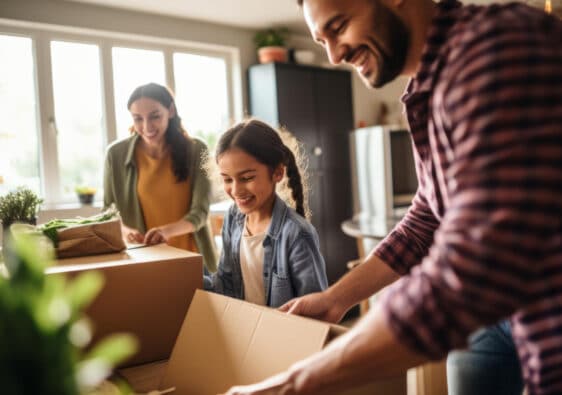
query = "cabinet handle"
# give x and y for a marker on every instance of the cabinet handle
(317, 151)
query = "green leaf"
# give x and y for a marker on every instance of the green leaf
(83, 289)
(114, 348)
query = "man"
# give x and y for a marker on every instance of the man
(483, 239)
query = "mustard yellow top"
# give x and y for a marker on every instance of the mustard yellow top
(162, 199)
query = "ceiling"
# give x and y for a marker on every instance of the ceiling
(252, 14)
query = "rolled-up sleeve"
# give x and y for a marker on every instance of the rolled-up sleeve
(409, 241)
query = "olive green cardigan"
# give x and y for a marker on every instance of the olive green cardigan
(120, 188)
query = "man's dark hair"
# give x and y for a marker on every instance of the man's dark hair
(299, 2)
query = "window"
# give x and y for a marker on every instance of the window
(79, 116)
(64, 92)
(131, 68)
(201, 97)
(19, 158)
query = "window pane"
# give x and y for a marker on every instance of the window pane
(131, 68)
(19, 154)
(79, 116)
(202, 95)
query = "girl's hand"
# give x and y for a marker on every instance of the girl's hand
(155, 236)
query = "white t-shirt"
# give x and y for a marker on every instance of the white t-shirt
(251, 263)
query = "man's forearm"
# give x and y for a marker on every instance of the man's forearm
(367, 353)
(361, 282)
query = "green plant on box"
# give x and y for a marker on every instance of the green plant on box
(273, 37)
(20, 205)
(42, 329)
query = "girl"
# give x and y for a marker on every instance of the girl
(155, 179)
(270, 252)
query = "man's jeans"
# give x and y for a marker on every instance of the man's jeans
(489, 366)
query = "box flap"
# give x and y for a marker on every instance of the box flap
(225, 342)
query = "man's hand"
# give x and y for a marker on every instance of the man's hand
(318, 305)
(280, 384)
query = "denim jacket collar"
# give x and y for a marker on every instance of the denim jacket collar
(277, 218)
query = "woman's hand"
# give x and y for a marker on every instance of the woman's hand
(131, 235)
(156, 235)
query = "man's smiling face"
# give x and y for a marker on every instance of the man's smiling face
(364, 33)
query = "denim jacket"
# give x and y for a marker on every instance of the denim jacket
(292, 265)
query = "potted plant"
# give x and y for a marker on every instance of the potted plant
(270, 44)
(43, 328)
(85, 194)
(20, 205)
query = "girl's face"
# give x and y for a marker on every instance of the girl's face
(150, 120)
(249, 182)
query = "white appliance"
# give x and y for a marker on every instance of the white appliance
(383, 172)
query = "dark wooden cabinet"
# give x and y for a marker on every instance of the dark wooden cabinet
(315, 104)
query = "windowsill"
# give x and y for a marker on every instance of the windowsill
(70, 206)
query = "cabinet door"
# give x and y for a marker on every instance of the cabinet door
(337, 207)
(297, 107)
(335, 117)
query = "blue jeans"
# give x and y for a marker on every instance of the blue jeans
(489, 366)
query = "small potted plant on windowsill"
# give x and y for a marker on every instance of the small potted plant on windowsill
(270, 44)
(20, 205)
(85, 194)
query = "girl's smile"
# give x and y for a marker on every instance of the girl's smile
(249, 182)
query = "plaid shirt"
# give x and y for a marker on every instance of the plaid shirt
(483, 238)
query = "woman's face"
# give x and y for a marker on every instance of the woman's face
(150, 120)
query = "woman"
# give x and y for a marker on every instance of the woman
(155, 180)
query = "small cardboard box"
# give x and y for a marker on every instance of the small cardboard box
(225, 342)
(147, 292)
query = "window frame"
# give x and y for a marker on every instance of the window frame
(41, 35)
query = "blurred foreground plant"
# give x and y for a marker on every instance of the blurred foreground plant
(42, 330)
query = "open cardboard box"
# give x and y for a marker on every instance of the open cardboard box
(225, 342)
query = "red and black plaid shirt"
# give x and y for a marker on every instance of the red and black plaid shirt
(483, 238)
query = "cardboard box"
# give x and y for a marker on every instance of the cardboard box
(225, 342)
(147, 293)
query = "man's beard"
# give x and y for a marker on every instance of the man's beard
(396, 35)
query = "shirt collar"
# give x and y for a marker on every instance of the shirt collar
(130, 157)
(445, 17)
